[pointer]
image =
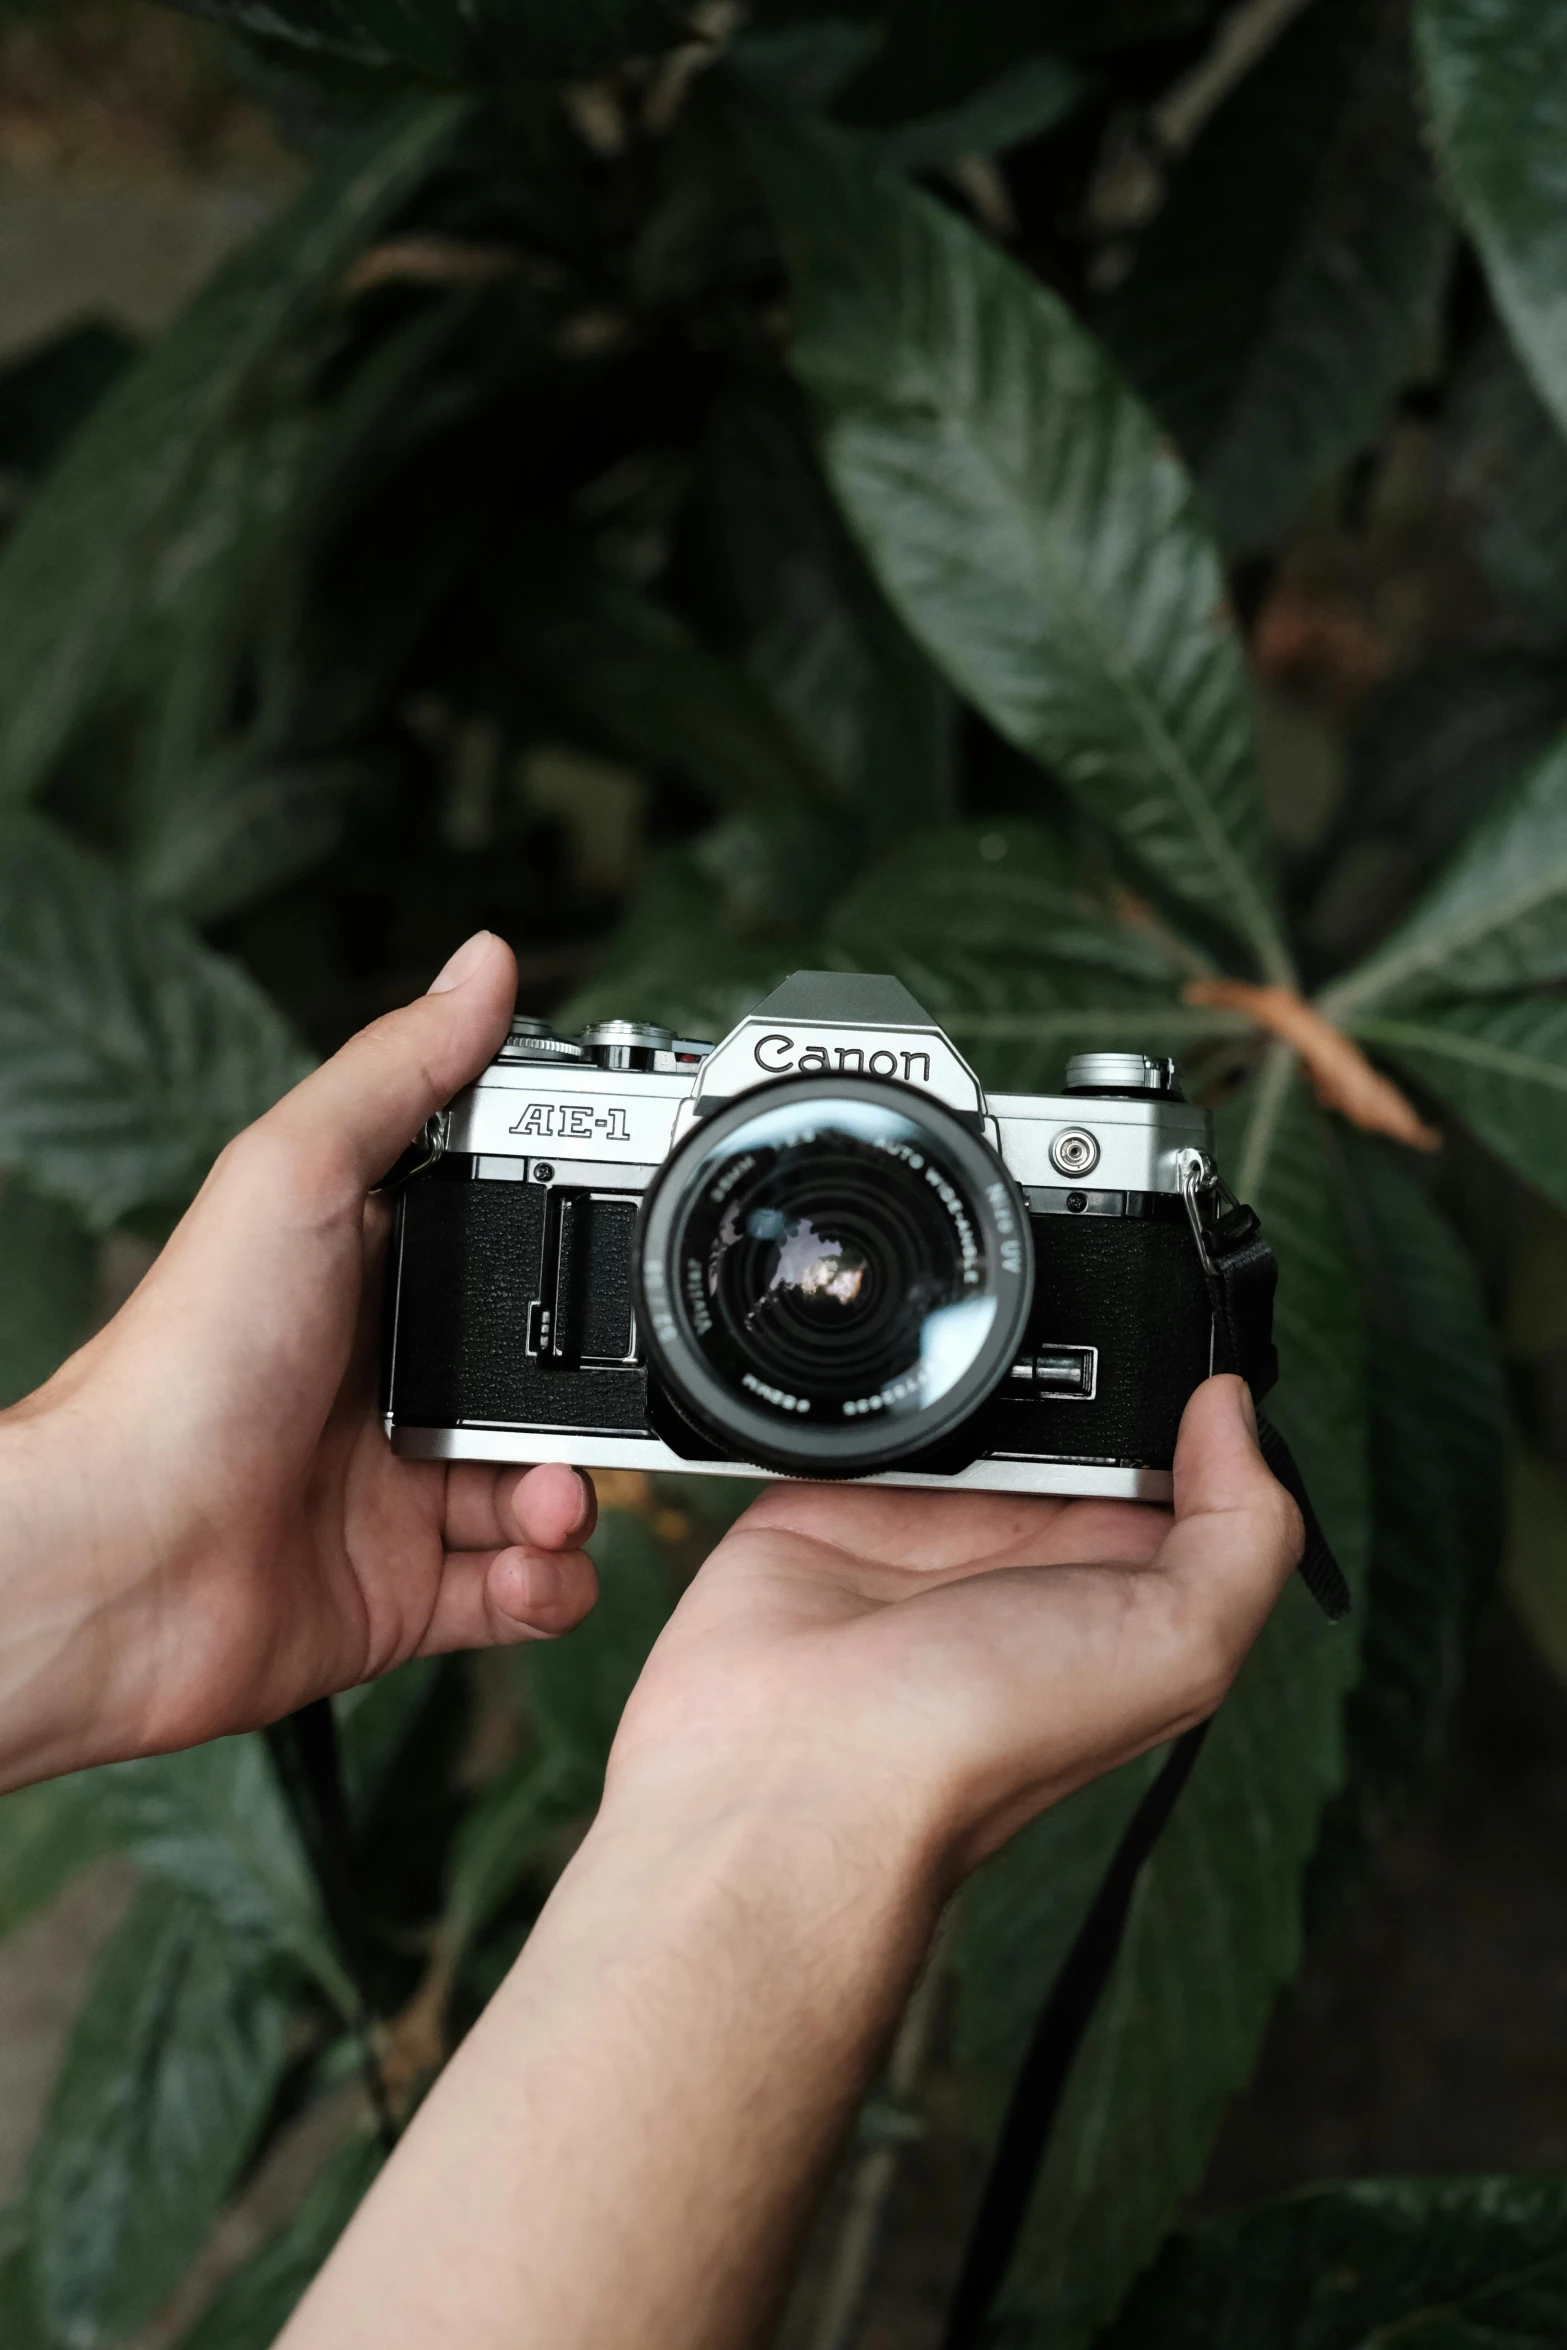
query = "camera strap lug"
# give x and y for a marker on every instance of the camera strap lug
(428, 1145)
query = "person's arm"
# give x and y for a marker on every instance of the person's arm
(201, 1522)
(861, 1694)
(202, 1525)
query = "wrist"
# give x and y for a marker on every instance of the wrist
(832, 1840)
(69, 1579)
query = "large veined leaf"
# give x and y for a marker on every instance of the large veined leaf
(995, 933)
(553, 37)
(213, 1823)
(1495, 919)
(1426, 2264)
(1434, 751)
(1019, 507)
(1496, 81)
(129, 1053)
(71, 571)
(1215, 1925)
(675, 960)
(1501, 1064)
(1438, 1426)
(47, 1294)
(635, 675)
(171, 2066)
(1272, 334)
(251, 2308)
(1509, 468)
(815, 629)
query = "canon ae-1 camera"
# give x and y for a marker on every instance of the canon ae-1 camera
(817, 1249)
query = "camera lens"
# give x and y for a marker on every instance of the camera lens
(833, 1275)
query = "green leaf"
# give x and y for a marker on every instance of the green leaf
(21, 2327)
(213, 1822)
(577, 1688)
(1495, 919)
(1496, 84)
(501, 1840)
(633, 673)
(1215, 1926)
(1435, 750)
(993, 929)
(1273, 334)
(129, 1054)
(171, 2066)
(72, 571)
(48, 1835)
(1023, 516)
(1502, 1065)
(253, 2305)
(47, 393)
(1508, 466)
(1022, 103)
(1017, 1920)
(997, 931)
(513, 37)
(674, 960)
(1446, 2264)
(815, 630)
(374, 1723)
(1438, 1432)
(46, 1300)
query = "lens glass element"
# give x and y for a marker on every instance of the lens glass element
(834, 1265)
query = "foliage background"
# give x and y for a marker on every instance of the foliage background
(730, 509)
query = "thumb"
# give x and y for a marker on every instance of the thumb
(1237, 1534)
(370, 1099)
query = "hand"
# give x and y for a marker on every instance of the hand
(203, 1523)
(934, 1668)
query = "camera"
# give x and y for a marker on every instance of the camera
(816, 1249)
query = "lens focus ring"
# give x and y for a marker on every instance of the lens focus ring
(832, 1274)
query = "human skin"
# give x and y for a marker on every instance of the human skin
(861, 1694)
(201, 1523)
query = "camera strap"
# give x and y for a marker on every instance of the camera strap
(1242, 1274)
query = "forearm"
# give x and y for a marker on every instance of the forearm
(625, 2149)
(57, 1640)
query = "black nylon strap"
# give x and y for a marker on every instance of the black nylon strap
(1041, 2084)
(1244, 1277)
(1242, 1274)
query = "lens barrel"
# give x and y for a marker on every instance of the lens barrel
(832, 1274)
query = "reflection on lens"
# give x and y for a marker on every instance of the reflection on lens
(832, 1266)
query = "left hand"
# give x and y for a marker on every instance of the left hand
(201, 1522)
(931, 1669)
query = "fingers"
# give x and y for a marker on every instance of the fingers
(546, 1508)
(1237, 1533)
(493, 1599)
(366, 1104)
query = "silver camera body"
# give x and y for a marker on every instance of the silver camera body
(527, 1320)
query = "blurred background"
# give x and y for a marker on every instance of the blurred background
(1427, 2031)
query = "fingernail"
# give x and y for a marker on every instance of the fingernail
(461, 967)
(1248, 1408)
(587, 1517)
